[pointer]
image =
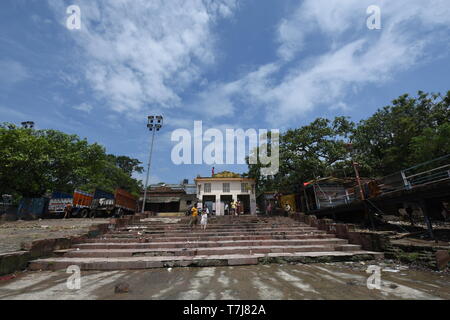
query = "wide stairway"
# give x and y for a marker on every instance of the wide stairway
(227, 241)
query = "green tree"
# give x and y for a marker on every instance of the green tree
(35, 162)
(432, 143)
(314, 150)
(127, 164)
(412, 130)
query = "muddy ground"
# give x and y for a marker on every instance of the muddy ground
(272, 282)
(13, 233)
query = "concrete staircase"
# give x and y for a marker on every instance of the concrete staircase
(228, 241)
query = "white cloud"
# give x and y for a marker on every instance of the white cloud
(12, 72)
(352, 55)
(342, 106)
(84, 107)
(335, 18)
(143, 53)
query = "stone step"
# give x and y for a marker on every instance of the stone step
(209, 244)
(223, 219)
(116, 253)
(216, 227)
(107, 239)
(227, 241)
(131, 263)
(348, 247)
(212, 227)
(198, 229)
(217, 234)
(206, 233)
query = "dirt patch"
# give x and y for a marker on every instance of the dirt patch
(14, 233)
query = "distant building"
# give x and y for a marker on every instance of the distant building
(168, 198)
(221, 189)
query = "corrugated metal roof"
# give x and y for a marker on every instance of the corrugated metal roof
(163, 199)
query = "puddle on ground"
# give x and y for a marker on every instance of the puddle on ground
(290, 281)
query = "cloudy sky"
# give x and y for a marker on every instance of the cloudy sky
(232, 64)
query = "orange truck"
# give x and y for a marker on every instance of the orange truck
(82, 204)
(117, 204)
(76, 205)
(125, 201)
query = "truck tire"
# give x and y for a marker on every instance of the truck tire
(75, 214)
(84, 213)
(118, 213)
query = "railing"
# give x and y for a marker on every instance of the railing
(331, 202)
(436, 170)
(432, 175)
(342, 199)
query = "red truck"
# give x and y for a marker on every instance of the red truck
(67, 205)
(82, 204)
(117, 204)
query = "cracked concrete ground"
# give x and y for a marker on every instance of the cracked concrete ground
(13, 233)
(319, 281)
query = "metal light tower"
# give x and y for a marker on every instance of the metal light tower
(154, 124)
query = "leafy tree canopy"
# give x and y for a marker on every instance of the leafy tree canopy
(36, 162)
(311, 151)
(410, 131)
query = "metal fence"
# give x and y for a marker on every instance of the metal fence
(434, 171)
(428, 172)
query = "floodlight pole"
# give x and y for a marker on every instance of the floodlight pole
(153, 127)
(148, 172)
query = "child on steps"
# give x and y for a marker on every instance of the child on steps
(204, 220)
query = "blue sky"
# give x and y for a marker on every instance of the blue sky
(232, 64)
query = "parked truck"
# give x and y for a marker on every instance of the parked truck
(81, 204)
(76, 205)
(5, 204)
(118, 204)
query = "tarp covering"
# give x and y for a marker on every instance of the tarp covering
(35, 207)
(162, 199)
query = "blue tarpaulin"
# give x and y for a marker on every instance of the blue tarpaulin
(32, 207)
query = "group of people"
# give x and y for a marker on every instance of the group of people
(199, 213)
(287, 209)
(197, 210)
(235, 208)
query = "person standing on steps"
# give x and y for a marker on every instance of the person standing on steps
(287, 210)
(269, 209)
(194, 217)
(204, 220)
(233, 208)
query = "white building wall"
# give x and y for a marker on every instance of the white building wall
(235, 190)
